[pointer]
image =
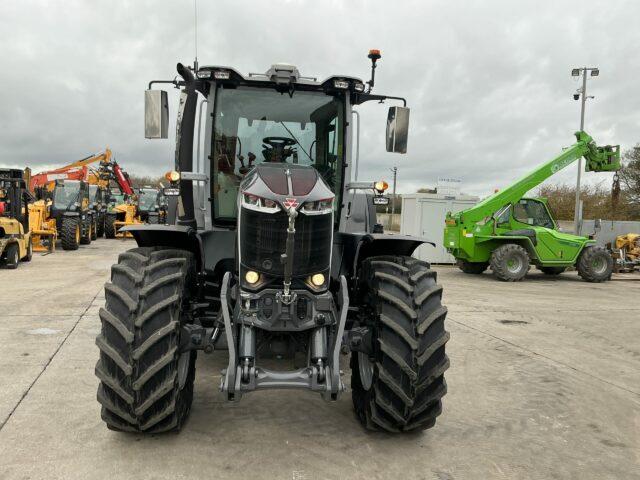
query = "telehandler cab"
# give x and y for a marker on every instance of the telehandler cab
(509, 232)
(273, 259)
(15, 237)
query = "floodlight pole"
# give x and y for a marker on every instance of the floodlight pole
(577, 216)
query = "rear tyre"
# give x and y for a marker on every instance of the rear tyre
(552, 270)
(399, 387)
(595, 264)
(109, 227)
(510, 262)
(100, 226)
(29, 254)
(146, 384)
(474, 268)
(85, 239)
(70, 236)
(12, 256)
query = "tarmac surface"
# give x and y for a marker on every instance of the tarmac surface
(544, 383)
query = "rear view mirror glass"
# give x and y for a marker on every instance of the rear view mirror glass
(397, 129)
(156, 114)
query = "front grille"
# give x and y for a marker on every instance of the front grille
(263, 238)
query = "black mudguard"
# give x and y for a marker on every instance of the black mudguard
(351, 249)
(173, 236)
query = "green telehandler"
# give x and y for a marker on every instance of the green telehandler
(508, 232)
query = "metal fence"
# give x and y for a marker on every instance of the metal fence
(609, 231)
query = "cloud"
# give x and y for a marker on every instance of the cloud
(488, 82)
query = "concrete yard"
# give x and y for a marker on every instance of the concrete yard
(544, 383)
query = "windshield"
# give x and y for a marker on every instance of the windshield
(117, 199)
(532, 212)
(147, 199)
(93, 192)
(255, 125)
(66, 194)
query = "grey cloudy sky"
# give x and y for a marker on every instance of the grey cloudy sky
(488, 81)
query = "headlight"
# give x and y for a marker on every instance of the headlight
(317, 279)
(318, 207)
(172, 176)
(252, 277)
(254, 202)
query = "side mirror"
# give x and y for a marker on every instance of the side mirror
(397, 129)
(156, 114)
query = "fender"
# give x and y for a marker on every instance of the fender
(175, 236)
(351, 249)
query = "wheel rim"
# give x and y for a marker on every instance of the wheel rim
(365, 368)
(514, 264)
(16, 256)
(77, 234)
(599, 265)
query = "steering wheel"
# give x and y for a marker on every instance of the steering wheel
(279, 142)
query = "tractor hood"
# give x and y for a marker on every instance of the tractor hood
(283, 185)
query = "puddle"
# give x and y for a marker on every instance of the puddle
(43, 331)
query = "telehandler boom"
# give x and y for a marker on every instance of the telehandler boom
(509, 232)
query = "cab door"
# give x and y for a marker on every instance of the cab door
(534, 214)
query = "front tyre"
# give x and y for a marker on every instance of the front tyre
(71, 234)
(94, 229)
(146, 383)
(109, 225)
(12, 256)
(399, 387)
(510, 262)
(595, 264)
(87, 233)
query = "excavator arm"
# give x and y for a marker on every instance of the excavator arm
(78, 170)
(598, 159)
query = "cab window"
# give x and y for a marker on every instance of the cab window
(533, 212)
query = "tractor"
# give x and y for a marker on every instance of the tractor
(15, 236)
(75, 221)
(508, 232)
(151, 205)
(272, 259)
(98, 204)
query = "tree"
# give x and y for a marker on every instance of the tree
(630, 176)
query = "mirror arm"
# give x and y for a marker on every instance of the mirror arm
(173, 82)
(367, 97)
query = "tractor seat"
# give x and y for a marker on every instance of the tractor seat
(525, 232)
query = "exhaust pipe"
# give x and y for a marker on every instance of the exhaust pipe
(184, 147)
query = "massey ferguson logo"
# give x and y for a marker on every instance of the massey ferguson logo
(290, 203)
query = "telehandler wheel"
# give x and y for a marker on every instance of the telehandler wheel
(146, 384)
(100, 226)
(472, 267)
(85, 239)
(94, 230)
(109, 227)
(70, 233)
(595, 264)
(12, 256)
(510, 262)
(552, 270)
(399, 386)
(29, 254)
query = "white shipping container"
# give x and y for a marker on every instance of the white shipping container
(423, 215)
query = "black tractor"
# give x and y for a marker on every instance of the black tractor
(98, 196)
(275, 258)
(151, 205)
(70, 207)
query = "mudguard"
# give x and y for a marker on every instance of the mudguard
(174, 236)
(351, 249)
